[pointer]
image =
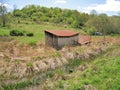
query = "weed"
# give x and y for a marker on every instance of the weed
(17, 85)
(60, 84)
(57, 54)
(17, 62)
(32, 42)
(30, 64)
(7, 60)
(103, 74)
(50, 74)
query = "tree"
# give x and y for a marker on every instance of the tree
(14, 7)
(3, 12)
(104, 24)
(93, 12)
(101, 23)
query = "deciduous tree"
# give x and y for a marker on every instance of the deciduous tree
(3, 12)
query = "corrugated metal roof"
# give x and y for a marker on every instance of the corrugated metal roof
(84, 39)
(62, 32)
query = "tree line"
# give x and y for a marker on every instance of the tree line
(90, 23)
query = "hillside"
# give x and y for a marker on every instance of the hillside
(70, 68)
(27, 64)
(102, 73)
(35, 14)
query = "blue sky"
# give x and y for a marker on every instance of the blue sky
(110, 7)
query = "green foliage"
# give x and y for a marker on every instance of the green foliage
(74, 24)
(115, 35)
(3, 13)
(30, 64)
(71, 18)
(54, 15)
(16, 32)
(17, 62)
(49, 74)
(7, 60)
(17, 13)
(60, 85)
(33, 42)
(36, 29)
(57, 54)
(103, 74)
(104, 24)
(90, 30)
(4, 32)
(17, 85)
(30, 34)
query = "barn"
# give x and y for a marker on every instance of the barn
(60, 38)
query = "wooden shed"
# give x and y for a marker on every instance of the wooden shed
(60, 38)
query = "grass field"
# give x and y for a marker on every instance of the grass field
(4, 32)
(36, 29)
(103, 73)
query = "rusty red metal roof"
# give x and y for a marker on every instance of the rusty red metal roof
(62, 32)
(84, 39)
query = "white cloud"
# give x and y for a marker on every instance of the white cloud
(7, 6)
(109, 6)
(60, 2)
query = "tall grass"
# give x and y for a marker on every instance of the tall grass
(103, 73)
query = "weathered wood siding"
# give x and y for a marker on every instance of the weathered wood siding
(67, 41)
(58, 42)
(51, 40)
(48, 39)
(55, 41)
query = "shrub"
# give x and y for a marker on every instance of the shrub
(16, 32)
(90, 30)
(29, 64)
(30, 34)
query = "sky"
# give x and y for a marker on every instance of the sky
(110, 7)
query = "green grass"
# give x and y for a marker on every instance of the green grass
(4, 32)
(103, 73)
(36, 29)
(115, 35)
(17, 85)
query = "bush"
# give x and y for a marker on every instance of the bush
(16, 32)
(30, 34)
(90, 30)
